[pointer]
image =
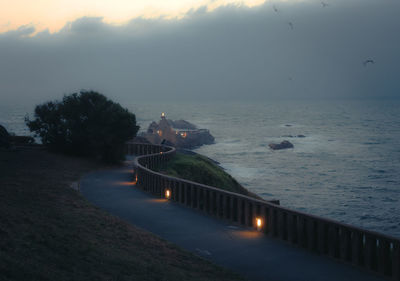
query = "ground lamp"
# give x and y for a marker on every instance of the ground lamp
(167, 193)
(259, 223)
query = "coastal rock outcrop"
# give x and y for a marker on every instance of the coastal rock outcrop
(283, 145)
(291, 136)
(179, 133)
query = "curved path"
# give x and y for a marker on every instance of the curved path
(243, 250)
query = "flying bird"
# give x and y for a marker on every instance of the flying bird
(366, 62)
(275, 9)
(291, 25)
(324, 4)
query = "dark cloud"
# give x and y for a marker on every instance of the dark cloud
(230, 53)
(21, 32)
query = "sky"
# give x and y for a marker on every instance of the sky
(200, 50)
(54, 14)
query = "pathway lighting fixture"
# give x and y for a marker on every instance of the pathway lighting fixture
(168, 194)
(259, 223)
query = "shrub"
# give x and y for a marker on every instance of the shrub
(86, 124)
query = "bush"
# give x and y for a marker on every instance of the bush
(86, 124)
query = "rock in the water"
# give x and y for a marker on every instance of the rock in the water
(4, 137)
(301, 136)
(283, 145)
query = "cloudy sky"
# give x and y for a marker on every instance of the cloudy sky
(200, 50)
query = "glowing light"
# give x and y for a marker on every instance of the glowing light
(162, 115)
(135, 181)
(259, 223)
(167, 193)
(183, 134)
(159, 132)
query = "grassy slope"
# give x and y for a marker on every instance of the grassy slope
(48, 231)
(199, 169)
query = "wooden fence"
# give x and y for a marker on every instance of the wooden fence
(363, 248)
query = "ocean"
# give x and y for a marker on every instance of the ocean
(347, 167)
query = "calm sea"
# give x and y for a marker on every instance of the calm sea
(347, 167)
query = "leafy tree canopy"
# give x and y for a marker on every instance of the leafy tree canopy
(86, 124)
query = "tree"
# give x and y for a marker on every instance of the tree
(86, 124)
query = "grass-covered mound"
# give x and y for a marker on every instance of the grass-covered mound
(200, 169)
(48, 231)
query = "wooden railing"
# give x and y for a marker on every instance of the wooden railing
(363, 248)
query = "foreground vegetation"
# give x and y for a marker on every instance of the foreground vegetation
(85, 124)
(198, 168)
(48, 231)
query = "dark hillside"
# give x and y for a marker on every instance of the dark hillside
(48, 231)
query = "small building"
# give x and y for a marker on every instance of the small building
(179, 133)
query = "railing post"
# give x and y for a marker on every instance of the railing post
(396, 261)
(290, 227)
(231, 208)
(321, 237)
(173, 190)
(261, 213)
(182, 192)
(150, 181)
(193, 196)
(383, 256)
(227, 207)
(198, 199)
(302, 231)
(147, 185)
(224, 204)
(156, 182)
(370, 250)
(246, 213)
(207, 201)
(280, 224)
(187, 193)
(239, 210)
(357, 248)
(178, 192)
(312, 235)
(212, 202)
(270, 220)
(345, 245)
(331, 240)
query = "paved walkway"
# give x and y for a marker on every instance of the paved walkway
(243, 250)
